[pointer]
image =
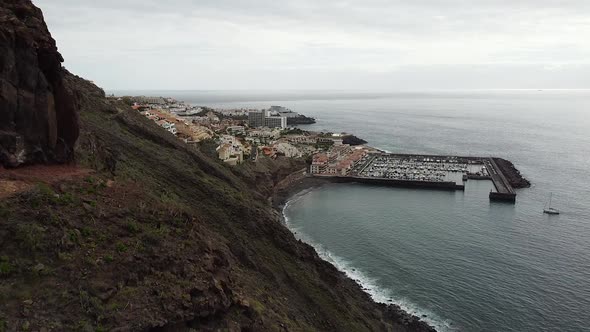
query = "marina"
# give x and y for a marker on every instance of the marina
(426, 171)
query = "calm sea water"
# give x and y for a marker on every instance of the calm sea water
(464, 262)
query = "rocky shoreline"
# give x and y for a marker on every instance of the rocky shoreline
(300, 120)
(283, 193)
(353, 140)
(281, 196)
(515, 178)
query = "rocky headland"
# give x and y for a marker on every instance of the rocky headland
(353, 140)
(300, 120)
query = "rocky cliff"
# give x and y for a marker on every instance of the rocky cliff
(38, 120)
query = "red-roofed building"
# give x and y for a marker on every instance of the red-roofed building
(319, 163)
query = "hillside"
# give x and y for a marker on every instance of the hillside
(145, 233)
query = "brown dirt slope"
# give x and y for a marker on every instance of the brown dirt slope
(13, 181)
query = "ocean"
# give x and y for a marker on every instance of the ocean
(461, 262)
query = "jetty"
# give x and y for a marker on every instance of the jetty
(416, 171)
(504, 191)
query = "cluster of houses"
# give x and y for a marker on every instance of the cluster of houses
(245, 134)
(231, 150)
(234, 150)
(184, 129)
(338, 160)
(161, 120)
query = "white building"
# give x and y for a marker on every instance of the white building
(171, 127)
(231, 154)
(276, 122)
(265, 133)
(288, 150)
(236, 130)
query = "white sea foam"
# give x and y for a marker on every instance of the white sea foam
(369, 285)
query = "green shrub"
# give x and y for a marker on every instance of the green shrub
(30, 236)
(153, 236)
(90, 179)
(257, 306)
(168, 197)
(178, 221)
(94, 185)
(121, 247)
(74, 236)
(83, 325)
(45, 191)
(66, 199)
(114, 306)
(5, 267)
(49, 217)
(86, 231)
(90, 304)
(65, 256)
(43, 195)
(132, 226)
(4, 212)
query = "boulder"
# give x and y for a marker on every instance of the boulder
(38, 117)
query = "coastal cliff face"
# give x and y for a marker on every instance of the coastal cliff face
(160, 237)
(38, 120)
(154, 235)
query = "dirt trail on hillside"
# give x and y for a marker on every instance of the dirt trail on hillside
(13, 181)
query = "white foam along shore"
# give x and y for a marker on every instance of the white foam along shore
(368, 284)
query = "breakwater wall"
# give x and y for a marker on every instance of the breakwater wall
(504, 191)
(394, 182)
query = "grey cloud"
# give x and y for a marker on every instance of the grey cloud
(233, 41)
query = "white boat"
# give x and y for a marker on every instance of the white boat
(548, 209)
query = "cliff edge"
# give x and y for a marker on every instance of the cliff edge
(38, 119)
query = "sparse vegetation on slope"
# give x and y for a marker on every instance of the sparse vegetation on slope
(161, 237)
(164, 238)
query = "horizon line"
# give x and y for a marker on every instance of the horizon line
(348, 90)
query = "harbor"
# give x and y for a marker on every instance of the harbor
(410, 170)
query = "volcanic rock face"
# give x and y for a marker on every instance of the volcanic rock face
(38, 119)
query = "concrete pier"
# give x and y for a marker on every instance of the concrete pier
(504, 191)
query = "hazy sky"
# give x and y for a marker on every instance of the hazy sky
(324, 44)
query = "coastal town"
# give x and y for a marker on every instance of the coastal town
(245, 135)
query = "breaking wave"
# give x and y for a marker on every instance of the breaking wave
(368, 284)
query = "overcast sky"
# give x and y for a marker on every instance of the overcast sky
(324, 44)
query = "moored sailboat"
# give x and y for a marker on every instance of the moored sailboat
(548, 209)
